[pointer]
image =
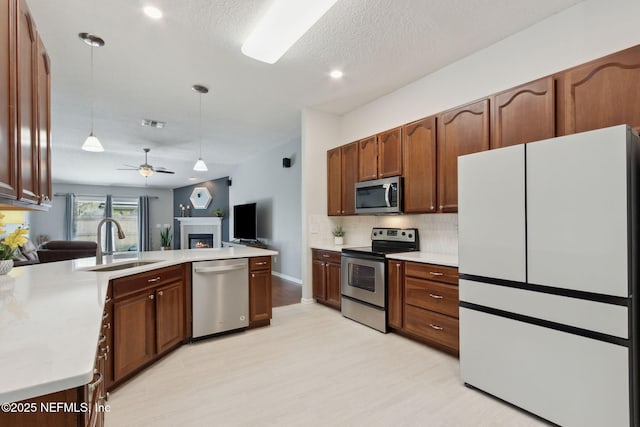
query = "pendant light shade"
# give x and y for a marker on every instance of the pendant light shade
(92, 143)
(200, 165)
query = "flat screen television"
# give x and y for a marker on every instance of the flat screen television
(245, 222)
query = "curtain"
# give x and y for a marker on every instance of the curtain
(108, 232)
(144, 238)
(69, 220)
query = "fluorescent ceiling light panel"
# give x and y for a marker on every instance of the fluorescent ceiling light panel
(283, 24)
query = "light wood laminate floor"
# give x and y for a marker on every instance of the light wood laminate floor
(311, 367)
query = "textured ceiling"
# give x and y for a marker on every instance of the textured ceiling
(147, 68)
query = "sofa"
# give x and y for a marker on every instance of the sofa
(54, 250)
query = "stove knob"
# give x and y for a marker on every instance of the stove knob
(375, 233)
(411, 236)
(403, 233)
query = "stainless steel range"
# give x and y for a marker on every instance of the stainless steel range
(364, 275)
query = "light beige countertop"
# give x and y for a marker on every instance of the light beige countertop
(449, 260)
(51, 316)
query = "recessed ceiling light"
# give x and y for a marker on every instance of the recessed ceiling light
(192, 178)
(152, 12)
(336, 74)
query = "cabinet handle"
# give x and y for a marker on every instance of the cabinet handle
(102, 339)
(326, 255)
(160, 293)
(435, 273)
(261, 263)
(436, 327)
(155, 279)
(95, 383)
(436, 296)
(105, 315)
(106, 325)
(253, 275)
(151, 296)
(107, 300)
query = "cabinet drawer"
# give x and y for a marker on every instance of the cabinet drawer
(434, 296)
(131, 284)
(439, 273)
(260, 263)
(331, 256)
(432, 326)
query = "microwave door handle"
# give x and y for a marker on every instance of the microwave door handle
(386, 194)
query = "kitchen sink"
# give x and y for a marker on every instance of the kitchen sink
(120, 265)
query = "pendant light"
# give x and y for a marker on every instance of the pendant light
(200, 166)
(92, 143)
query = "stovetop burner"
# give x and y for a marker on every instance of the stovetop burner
(387, 241)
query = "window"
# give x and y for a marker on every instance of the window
(89, 211)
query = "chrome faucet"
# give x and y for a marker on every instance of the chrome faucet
(121, 235)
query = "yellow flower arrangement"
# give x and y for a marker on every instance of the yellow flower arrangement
(11, 242)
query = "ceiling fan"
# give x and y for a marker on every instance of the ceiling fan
(146, 169)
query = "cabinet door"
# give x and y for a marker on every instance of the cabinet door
(603, 93)
(169, 316)
(319, 279)
(333, 284)
(349, 169)
(368, 159)
(133, 333)
(395, 293)
(26, 78)
(524, 114)
(334, 181)
(8, 120)
(390, 153)
(464, 130)
(260, 296)
(44, 124)
(419, 165)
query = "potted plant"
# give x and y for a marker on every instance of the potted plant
(165, 239)
(218, 212)
(8, 246)
(338, 235)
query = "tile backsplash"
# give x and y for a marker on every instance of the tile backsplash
(438, 232)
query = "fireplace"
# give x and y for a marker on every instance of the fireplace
(200, 241)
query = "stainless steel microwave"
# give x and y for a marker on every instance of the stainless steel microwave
(380, 196)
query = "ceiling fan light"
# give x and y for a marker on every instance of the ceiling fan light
(146, 171)
(200, 166)
(283, 24)
(92, 144)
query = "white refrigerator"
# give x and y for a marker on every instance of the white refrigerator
(548, 250)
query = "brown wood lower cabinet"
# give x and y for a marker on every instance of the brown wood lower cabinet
(148, 319)
(423, 303)
(260, 291)
(326, 277)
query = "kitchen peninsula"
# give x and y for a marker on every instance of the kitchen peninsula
(52, 315)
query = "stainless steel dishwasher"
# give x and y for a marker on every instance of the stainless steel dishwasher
(220, 296)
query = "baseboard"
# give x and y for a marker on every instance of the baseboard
(289, 278)
(307, 300)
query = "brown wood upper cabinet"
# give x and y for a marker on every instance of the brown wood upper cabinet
(524, 114)
(381, 155)
(463, 130)
(25, 151)
(342, 174)
(8, 120)
(419, 165)
(602, 93)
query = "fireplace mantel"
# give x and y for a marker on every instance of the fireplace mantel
(200, 224)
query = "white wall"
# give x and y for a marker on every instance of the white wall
(276, 190)
(51, 223)
(589, 30)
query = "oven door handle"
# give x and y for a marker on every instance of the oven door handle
(387, 189)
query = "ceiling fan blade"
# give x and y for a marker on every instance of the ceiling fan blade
(130, 166)
(164, 171)
(127, 169)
